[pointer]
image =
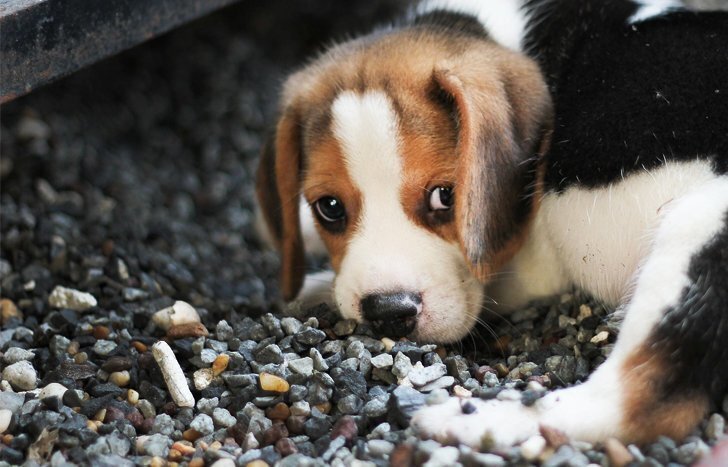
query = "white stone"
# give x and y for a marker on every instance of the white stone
(421, 375)
(52, 390)
(63, 297)
(384, 360)
(444, 456)
(16, 354)
(440, 383)
(301, 408)
(600, 337)
(21, 375)
(202, 378)
(303, 366)
(533, 447)
(179, 313)
(5, 418)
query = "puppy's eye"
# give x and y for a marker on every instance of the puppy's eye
(441, 198)
(329, 210)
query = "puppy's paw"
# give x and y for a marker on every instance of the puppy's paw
(477, 423)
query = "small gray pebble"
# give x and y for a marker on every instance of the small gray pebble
(290, 325)
(158, 445)
(16, 354)
(303, 366)
(208, 356)
(224, 331)
(203, 424)
(223, 418)
(207, 405)
(163, 424)
(384, 360)
(59, 344)
(104, 347)
(419, 376)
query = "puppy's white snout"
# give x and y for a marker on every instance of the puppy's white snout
(392, 314)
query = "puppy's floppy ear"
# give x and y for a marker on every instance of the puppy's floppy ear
(278, 187)
(503, 120)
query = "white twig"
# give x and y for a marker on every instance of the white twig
(173, 375)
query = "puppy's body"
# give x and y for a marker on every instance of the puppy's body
(630, 203)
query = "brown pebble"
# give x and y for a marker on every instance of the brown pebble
(257, 463)
(215, 445)
(170, 408)
(238, 432)
(500, 369)
(174, 455)
(120, 378)
(286, 447)
(220, 364)
(274, 433)
(91, 425)
(117, 363)
(554, 437)
(157, 461)
(191, 435)
(101, 332)
(184, 448)
(73, 348)
(401, 456)
(324, 407)
(107, 247)
(81, 357)
(113, 414)
(280, 411)
(141, 347)
(147, 425)
(480, 372)
(135, 418)
(180, 331)
(8, 310)
(619, 455)
(273, 383)
(346, 427)
(197, 462)
(295, 424)
(100, 415)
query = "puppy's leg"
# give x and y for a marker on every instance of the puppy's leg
(670, 359)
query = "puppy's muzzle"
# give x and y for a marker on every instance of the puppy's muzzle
(392, 314)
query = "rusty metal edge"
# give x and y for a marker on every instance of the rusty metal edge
(43, 40)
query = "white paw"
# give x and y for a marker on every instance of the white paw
(492, 424)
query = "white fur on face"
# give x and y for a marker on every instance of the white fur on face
(503, 19)
(388, 252)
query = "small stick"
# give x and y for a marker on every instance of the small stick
(173, 375)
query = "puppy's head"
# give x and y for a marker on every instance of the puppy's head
(418, 155)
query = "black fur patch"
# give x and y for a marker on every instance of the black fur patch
(693, 335)
(630, 97)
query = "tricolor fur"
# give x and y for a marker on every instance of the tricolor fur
(585, 144)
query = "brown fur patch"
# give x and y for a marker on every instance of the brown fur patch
(647, 413)
(326, 175)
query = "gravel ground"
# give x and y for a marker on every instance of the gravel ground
(126, 226)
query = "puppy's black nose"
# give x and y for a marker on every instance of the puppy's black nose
(392, 314)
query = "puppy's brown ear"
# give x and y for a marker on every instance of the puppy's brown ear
(503, 118)
(278, 187)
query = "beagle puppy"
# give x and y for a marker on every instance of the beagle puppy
(500, 151)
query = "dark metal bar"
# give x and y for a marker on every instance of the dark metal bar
(43, 40)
